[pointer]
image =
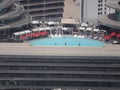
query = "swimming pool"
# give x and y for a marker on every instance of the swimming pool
(66, 41)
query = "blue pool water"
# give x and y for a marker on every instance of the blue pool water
(66, 41)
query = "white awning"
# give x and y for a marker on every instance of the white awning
(103, 30)
(81, 28)
(88, 29)
(21, 33)
(16, 33)
(41, 29)
(35, 22)
(64, 28)
(27, 31)
(47, 28)
(36, 29)
(52, 23)
(95, 30)
(84, 24)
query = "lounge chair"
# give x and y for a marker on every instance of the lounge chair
(75, 35)
(59, 35)
(51, 35)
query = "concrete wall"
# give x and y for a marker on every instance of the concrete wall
(90, 10)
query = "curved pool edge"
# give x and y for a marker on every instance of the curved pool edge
(56, 44)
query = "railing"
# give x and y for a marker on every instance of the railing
(42, 2)
(17, 12)
(46, 14)
(6, 3)
(44, 8)
(112, 16)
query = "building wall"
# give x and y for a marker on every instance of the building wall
(66, 73)
(92, 9)
(12, 18)
(44, 9)
(111, 21)
(71, 10)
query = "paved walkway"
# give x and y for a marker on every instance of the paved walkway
(71, 10)
(26, 49)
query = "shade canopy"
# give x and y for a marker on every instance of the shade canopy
(108, 37)
(113, 34)
(64, 28)
(52, 23)
(118, 35)
(88, 29)
(34, 30)
(84, 24)
(35, 22)
(41, 29)
(96, 30)
(22, 32)
(16, 33)
(47, 28)
(81, 28)
(27, 31)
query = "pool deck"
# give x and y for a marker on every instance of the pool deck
(26, 49)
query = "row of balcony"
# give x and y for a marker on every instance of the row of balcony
(46, 14)
(109, 20)
(36, 85)
(6, 3)
(14, 16)
(13, 13)
(29, 9)
(40, 2)
(25, 76)
(23, 72)
(64, 60)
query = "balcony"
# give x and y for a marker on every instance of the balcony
(12, 14)
(41, 2)
(46, 14)
(115, 4)
(6, 3)
(109, 20)
(23, 21)
(43, 8)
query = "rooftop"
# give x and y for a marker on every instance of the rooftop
(26, 49)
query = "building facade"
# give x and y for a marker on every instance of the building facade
(44, 9)
(111, 20)
(59, 73)
(92, 9)
(12, 17)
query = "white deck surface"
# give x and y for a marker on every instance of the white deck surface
(26, 49)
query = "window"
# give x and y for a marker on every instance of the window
(100, 5)
(99, 13)
(105, 12)
(99, 9)
(105, 8)
(100, 1)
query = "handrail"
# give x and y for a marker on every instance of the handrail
(21, 22)
(6, 3)
(19, 10)
(41, 2)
